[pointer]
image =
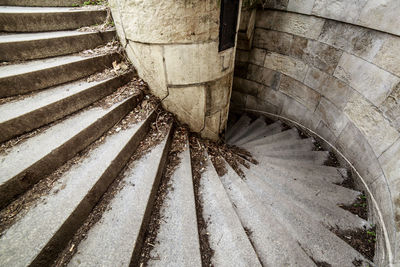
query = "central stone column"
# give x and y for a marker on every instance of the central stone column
(174, 45)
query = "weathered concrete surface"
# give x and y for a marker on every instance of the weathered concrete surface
(38, 74)
(117, 238)
(34, 19)
(226, 234)
(30, 241)
(54, 103)
(30, 161)
(49, 44)
(177, 242)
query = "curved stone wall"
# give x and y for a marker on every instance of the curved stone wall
(340, 80)
(174, 46)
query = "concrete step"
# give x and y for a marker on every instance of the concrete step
(38, 237)
(21, 116)
(40, 19)
(177, 242)
(244, 121)
(257, 124)
(273, 244)
(280, 137)
(26, 46)
(311, 186)
(226, 234)
(317, 240)
(269, 130)
(284, 145)
(42, 3)
(26, 163)
(116, 239)
(38, 74)
(287, 157)
(324, 210)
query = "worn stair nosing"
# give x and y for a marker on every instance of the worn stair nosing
(42, 3)
(36, 19)
(66, 229)
(270, 130)
(21, 180)
(50, 44)
(20, 78)
(38, 116)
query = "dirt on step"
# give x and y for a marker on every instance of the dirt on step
(178, 145)
(199, 162)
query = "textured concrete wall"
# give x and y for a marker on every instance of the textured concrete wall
(341, 81)
(174, 46)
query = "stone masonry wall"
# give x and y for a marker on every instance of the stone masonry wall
(338, 79)
(174, 46)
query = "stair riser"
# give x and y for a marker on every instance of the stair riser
(42, 48)
(57, 21)
(24, 180)
(55, 111)
(43, 3)
(75, 220)
(28, 82)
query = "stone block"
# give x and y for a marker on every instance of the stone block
(391, 107)
(212, 127)
(152, 21)
(294, 110)
(148, 61)
(326, 133)
(242, 55)
(355, 40)
(272, 41)
(297, 24)
(334, 118)
(218, 93)
(372, 82)
(355, 147)
(196, 63)
(244, 20)
(238, 99)
(241, 69)
(257, 56)
(188, 104)
(258, 104)
(245, 86)
(388, 56)
(269, 95)
(341, 10)
(301, 6)
(370, 121)
(114, 6)
(276, 4)
(382, 15)
(292, 67)
(317, 54)
(390, 162)
(264, 76)
(300, 92)
(328, 86)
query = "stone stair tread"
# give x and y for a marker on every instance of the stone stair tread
(41, 73)
(273, 244)
(27, 46)
(319, 242)
(255, 125)
(269, 130)
(326, 211)
(227, 237)
(40, 108)
(177, 241)
(41, 2)
(28, 9)
(278, 137)
(68, 203)
(243, 121)
(126, 215)
(285, 145)
(42, 153)
(313, 158)
(311, 186)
